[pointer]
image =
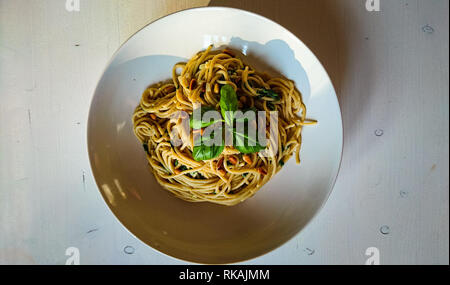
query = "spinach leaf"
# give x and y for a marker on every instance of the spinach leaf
(268, 93)
(203, 150)
(199, 124)
(228, 103)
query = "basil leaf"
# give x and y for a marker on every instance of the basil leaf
(242, 140)
(205, 151)
(228, 103)
(199, 124)
(246, 144)
(268, 93)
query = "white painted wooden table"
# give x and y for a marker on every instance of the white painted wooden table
(391, 72)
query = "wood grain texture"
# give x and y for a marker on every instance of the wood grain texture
(390, 70)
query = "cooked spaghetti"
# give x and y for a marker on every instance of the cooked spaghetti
(232, 175)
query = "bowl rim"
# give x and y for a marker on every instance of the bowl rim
(340, 122)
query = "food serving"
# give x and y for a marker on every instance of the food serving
(218, 108)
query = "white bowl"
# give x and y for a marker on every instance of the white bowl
(204, 232)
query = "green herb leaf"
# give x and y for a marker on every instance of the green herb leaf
(268, 93)
(231, 71)
(228, 103)
(206, 151)
(271, 106)
(243, 143)
(246, 144)
(145, 146)
(199, 124)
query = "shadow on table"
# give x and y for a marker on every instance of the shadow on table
(321, 26)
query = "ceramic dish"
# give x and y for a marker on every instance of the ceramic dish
(203, 232)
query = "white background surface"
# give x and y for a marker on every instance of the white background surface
(390, 70)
